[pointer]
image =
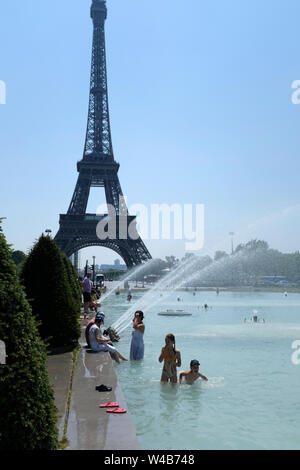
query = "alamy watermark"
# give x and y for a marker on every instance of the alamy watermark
(2, 353)
(296, 354)
(160, 222)
(2, 92)
(296, 94)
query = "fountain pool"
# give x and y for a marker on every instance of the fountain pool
(252, 398)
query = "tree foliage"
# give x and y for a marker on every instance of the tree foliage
(219, 255)
(18, 256)
(73, 280)
(50, 288)
(249, 265)
(28, 414)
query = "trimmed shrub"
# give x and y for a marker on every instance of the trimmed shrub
(28, 414)
(73, 280)
(49, 292)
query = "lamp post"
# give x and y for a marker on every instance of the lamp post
(232, 235)
(76, 261)
(94, 269)
(48, 231)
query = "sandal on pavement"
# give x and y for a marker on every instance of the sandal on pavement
(103, 388)
(117, 410)
(110, 404)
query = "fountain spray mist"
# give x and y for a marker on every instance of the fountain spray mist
(133, 272)
(164, 284)
(146, 303)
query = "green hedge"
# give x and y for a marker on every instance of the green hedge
(28, 414)
(52, 294)
(73, 280)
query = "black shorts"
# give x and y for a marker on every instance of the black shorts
(86, 297)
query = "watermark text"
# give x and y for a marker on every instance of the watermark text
(2, 353)
(2, 92)
(159, 222)
(296, 354)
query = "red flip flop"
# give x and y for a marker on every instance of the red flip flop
(117, 410)
(110, 404)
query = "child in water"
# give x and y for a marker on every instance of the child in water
(172, 359)
(193, 374)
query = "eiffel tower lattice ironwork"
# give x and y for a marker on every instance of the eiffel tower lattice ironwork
(98, 168)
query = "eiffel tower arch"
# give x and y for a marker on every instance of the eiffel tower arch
(98, 168)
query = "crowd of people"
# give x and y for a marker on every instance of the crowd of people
(97, 340)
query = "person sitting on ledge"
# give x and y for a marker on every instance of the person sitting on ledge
(89, 325)
(99, 342)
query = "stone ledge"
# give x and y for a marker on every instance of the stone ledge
(90, 427)
(59, 370)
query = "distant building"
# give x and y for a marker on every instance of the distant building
(273, 281)
(117, 266)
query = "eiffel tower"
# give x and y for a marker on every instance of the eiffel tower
(98, 168)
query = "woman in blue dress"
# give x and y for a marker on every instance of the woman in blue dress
(137, 341)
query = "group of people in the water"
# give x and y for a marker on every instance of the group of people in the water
(98, 341)
(172, 360)
(205, 306)
(169, 355)
(254, 319)
(129, 295)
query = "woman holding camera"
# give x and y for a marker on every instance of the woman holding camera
(137, 341)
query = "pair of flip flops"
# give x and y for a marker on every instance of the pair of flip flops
(115, 408)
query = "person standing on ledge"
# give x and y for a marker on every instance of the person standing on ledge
(137, 341)
(86, 291)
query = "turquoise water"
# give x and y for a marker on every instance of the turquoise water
(252, 399)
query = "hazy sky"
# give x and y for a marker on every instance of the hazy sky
(200, 104)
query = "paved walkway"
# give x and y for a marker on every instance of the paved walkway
(59, 370)
(90, 427)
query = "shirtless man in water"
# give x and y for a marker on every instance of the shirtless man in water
(193, 374)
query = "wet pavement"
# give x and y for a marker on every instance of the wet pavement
(59, 371)
(90, 427)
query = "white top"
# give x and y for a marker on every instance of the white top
(94, 344)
